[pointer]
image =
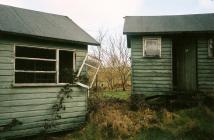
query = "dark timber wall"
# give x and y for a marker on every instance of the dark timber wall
(32, 105)
(205, 67)
(151, 76)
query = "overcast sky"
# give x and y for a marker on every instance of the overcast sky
(93, 15)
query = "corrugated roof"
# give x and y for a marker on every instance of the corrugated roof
(34, 23)
(169, 24)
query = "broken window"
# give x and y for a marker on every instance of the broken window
(151, 47)
(66, 69)
(39, 65)
(211, 48)
(93, 65)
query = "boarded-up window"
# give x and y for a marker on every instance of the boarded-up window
(211, 48)
(151, 47)
(39, 65)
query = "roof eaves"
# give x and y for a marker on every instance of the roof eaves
(49, 38)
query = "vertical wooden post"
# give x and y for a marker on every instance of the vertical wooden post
(57, 66)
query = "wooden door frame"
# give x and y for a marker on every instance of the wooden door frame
(174, 61)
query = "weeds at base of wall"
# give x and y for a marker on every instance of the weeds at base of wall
(65, 93)
(13, 123)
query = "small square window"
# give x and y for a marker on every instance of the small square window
(211, 48)
(152, 47)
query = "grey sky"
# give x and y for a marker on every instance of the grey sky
(92, 15)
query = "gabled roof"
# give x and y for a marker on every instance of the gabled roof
(169, 24)
(39, 24)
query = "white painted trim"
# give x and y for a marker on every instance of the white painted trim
(39, 59)
(57, 66)
(158, 38)
(74, 61)
(210, 42)
(14, 63)
(43, 47)
(30, 71)
(39, 84)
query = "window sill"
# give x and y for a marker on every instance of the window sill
(42, 85)
(151, 57)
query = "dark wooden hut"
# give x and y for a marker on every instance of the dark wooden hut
(171, 54)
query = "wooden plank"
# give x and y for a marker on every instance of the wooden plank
(38, 130)
(6, 54)
(4, 47)
(27, 90)
(143, 89)
(5, 85)
(37, 101)
(41, 123)
(18, 115)
(6, 60)
(6, 66)
(155, 78)
(30, 96)
(6, 78)
(6, 72)
(141, 68)
(11, 109)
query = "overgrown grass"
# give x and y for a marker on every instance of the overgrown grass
(123, 95)
(111, 118)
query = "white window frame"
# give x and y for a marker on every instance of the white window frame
(144, 44)
(56, 83)
(210, 44)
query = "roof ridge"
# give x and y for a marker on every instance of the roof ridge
(195, 14)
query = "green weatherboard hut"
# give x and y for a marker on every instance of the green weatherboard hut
(171, 54)
(38, 52)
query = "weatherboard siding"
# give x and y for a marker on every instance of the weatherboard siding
(151, 76)
(205, 67)
(32, 105)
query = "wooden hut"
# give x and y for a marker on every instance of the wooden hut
(171, 54)
(38, 54)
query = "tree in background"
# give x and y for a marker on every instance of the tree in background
(119, 58)
(115, 57)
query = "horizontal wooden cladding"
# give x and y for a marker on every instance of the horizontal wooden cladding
(33, 119)
(71, 124)
(151, 67)
(37, 101)
(5, 85)
(30, 96)
(7, 116)
(6, 47)
(41, 123)
(150, 93)
(161, 89)
(151, 76)
(6, 53)
(6, 72)
(6, 78)
(208, 67)
(31, 90)
(24, 108)
(158, 61)
(151, 83)
(6, 60)
(205, 67)
(6, 66)
(143, 78)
